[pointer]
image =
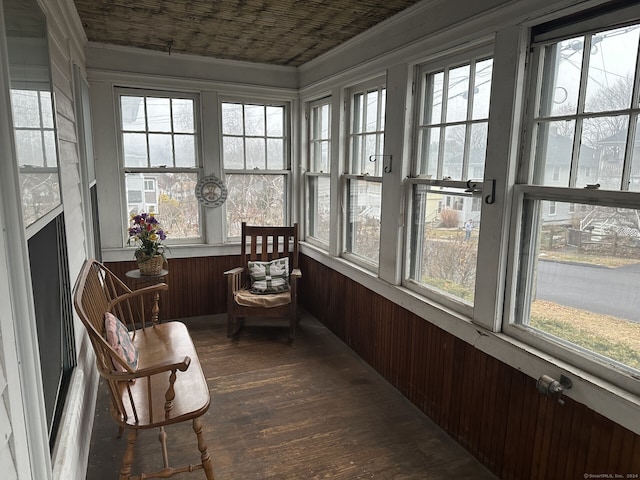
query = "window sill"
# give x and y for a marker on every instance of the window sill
(177, 251)
(608, 400)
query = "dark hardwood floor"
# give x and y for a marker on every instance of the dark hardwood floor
(309, 410)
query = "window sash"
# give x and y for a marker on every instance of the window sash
(438, 130)
(521, 278)
(318, 208)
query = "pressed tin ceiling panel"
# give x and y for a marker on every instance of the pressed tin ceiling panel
(278, 32)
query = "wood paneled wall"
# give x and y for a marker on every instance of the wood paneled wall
(197, 286)
(490, 408)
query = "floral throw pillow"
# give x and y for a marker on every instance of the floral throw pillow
(269, 277)
(118, 338)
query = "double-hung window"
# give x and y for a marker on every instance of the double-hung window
(364, 177)
(447, 175)
(318, 176)
(160, 144)
(577, 197)
(255, 159)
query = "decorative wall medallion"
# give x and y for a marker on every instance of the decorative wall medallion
(211, 191)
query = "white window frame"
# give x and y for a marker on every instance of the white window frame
(516, 295)
(285, 172)
(124, 170)
(354, 167)
(313, 173)
(456, 187)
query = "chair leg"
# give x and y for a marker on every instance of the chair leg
(127, 459)
(234, 325)
(207, 465)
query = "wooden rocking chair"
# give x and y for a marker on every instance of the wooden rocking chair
(166, 387)
(265, 245)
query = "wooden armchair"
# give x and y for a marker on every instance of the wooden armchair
(263, 244)
(166, 386)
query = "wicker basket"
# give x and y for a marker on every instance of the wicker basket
(151, 266)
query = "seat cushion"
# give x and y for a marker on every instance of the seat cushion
(248, 299)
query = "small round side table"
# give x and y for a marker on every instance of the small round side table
(144, 280)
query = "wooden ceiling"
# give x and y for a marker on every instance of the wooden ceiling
(278, 32)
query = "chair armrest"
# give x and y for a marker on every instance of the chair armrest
(151, 289)
(138, 306)
(296, 273)
(166, 366)
(234, 271)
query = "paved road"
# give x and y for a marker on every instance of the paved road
(602, 290)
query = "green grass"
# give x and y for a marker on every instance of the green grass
(448, 286)
(576, 257)
(618, 351)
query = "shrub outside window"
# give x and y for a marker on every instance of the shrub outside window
(160, 144)
(579, 235)
(451, 139)
(255, 160)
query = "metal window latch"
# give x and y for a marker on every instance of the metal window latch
(553, 388)
(386, 161)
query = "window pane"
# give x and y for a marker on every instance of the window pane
(50, 154)
(444, 248)
(275, 153)
(255, 153)
(612, 65)
(372, 111)
(232, 123)
(553, 152)
(47, 109)
(357, 166)
(634, 178)
(430, 143)
(433, 96)
(324, 121)
(453, 152)
(29, 148)
(233, 152)
(160, 150)
(255, 199)
(383, 103)
(371, 159)
(158, 114)
(275, 121)
(364, 219)
(458, 94)
(132, 111)
(183, 118)
(319, 208)
(482, 89)
(320, 157)
(254, 120)
(185, 150)
(358, 113)
(170, 197)
(135, 149)
(477, 150)
(40, 193)
(562, 66)
(602, 151)
(24, 104)
(583, 285)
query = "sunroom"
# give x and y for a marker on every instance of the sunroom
(464, 175)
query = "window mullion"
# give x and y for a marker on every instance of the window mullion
(632, 131)
(628, 151)
(582, 94)
(443, 117)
